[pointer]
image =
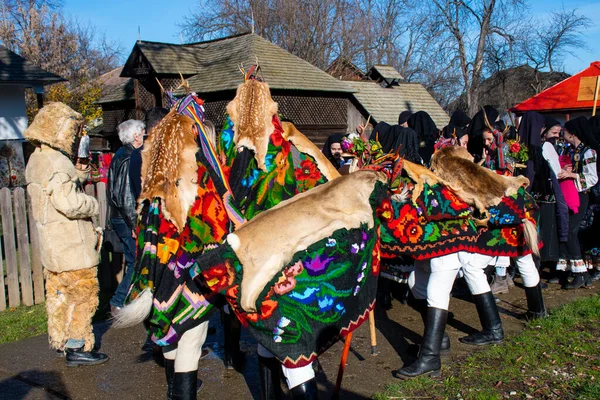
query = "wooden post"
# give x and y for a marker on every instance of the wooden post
(2, 295)
(373, 332)
(23, 241)
(101, 193)
(596, 95)
(340, 375)
(10, 248)
(36, 259)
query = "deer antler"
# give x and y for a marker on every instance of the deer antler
(184, 84)
(162, 89)
(487, 121)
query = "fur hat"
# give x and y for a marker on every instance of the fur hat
(57, 126)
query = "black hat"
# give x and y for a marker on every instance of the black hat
(404, 116)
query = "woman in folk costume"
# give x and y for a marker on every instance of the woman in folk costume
(578, 133)
(460, 119)
(63, 215)
(267, 162)
(476, 128)
(427, 132)
(591, 241)
(185, 209)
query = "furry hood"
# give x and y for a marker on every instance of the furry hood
(251, 112)
(56, 125)
(169, 168)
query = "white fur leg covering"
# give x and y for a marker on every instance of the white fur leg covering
(135, 312)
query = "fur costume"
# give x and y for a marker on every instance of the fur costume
(266, 161)
(182, 213)
(505, 209)
(63, 215)
(476, 185)
(71, 301)
(304, 273)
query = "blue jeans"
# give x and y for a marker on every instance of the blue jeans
(128, 241)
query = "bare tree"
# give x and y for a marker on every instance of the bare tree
(550, 41)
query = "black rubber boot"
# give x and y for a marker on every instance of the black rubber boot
(233, 358)
(169, 373)
(186, 385)
(270, 378)
(77, 357)
(429, 362)
(492, 332)
(421, 307)
(305, 391)
(535, 302)
(578, 281)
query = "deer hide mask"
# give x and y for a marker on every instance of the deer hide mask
(251, 112)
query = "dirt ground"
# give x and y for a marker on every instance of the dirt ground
(29, 370)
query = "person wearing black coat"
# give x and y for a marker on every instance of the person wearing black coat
(122, 203)
(427, 133)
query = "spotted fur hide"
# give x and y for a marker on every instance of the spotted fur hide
(169, 169)
(251, 112)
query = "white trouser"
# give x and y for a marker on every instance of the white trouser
(293, 376)
(501, 261)
(188, 351)
(473, 265)
(525, 266)
(433, 279)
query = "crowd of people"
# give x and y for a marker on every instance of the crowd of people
(561, 168)
(170, 203)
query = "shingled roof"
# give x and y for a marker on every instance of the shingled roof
(115, 88)
(385, 104)
(16, 69)
(214, 65)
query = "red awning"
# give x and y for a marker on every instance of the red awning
(574, 93)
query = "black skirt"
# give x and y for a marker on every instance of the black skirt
(548, 232)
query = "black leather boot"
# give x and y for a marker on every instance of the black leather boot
(535, 303)
(186, 385)
(270, 378)
(169, 373)
(429, 362)
(305, 391)
(421, 307)
(578, 281)
(492, 332)
(232, 329)
(77, 357)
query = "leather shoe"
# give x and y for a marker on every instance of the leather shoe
(77, 357)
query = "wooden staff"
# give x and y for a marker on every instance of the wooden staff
(596, 95)
(373, 332)
(340, 375)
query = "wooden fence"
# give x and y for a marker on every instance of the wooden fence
(21, 274)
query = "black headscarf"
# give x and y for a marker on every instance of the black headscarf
(335, 138)
(385, 135)
(427, 133)
(459, 119)
(453, 129)
(476, 128)
(403, 117)
(530, 134)
(408, 143)
(582, 128)
(550, 122)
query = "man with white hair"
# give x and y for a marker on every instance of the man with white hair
(122, 201)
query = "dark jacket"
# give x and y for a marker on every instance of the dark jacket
(135, 172)
(120, 198)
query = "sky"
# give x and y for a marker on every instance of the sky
(159, 20)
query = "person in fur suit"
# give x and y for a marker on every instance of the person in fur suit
(63, 215)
